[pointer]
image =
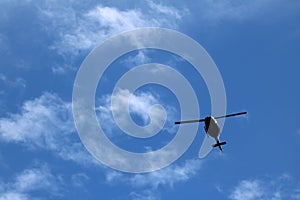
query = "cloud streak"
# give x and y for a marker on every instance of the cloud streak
(145, 185)
(83, 31)
(215, 12)
(169, 176)
(30, 181)
(139, 104)
(282, 187)
(45, 123)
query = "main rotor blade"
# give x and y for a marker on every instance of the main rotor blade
(231, 115)
(202, 120)
(190, 121)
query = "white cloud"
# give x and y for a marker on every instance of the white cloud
(83, 31)
(17, 82)
(138, 59)
(35, 179)
(144, 195)
(247, 190)
(10, 87)
(13, 196)
(168, 10)
(217, 10)
(278, 188)
(62, 69)
(165, 177)
(168, 176)
(115, 20)
(45, 123)
(139, 104)
(39, 118)
(4, 45)
(30, 180)
(113, 176)
(79, 179)
(234, 10)
(145, 185)
(3, 78)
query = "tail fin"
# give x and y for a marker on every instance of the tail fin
(219, 144)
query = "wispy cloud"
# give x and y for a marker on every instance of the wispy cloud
(247, 190)
(282, 187)
(144, 195)
(138, 59)
(83, 31)
(218, 11)
(17, 82)
(138, 104)
(3, 43)
(145, 185)
(29, 125)
(169, 176)
(62, 69)
(233, 10)
(30, 181)
(167, 10)
(79, 179)
(10, 87)
(45, 123)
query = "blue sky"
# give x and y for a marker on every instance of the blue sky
(256, 47)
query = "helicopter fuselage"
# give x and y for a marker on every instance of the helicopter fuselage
(212, 128)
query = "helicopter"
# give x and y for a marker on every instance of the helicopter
(211, 127)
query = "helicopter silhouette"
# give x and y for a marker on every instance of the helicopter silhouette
(211, 127)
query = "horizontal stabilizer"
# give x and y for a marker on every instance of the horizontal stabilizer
(219, 144)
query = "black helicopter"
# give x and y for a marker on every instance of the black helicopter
(211, 127)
